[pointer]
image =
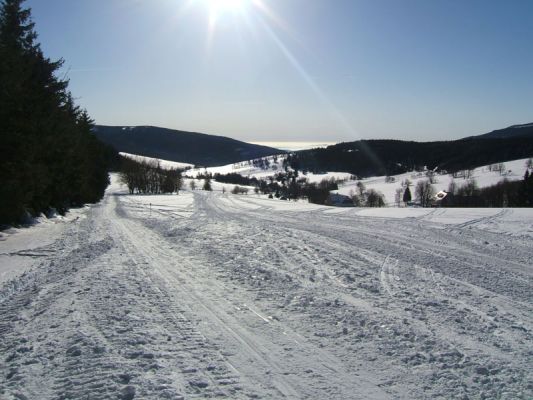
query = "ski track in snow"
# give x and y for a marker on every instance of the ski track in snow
(226, 298)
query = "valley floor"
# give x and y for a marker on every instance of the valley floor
(206, 295)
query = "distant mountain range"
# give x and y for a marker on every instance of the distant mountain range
(515, 131)
(187, 147)
(362, 157)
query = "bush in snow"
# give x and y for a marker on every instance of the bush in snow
(239, 190)
(424, 192)
(374, 199)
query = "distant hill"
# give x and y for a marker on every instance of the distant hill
(390, 157)
(515, 131)
(180, 146)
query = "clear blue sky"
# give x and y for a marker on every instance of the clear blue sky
(309, 70)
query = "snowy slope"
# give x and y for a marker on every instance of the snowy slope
(484, 177)
(515, 171)
(246, 168)
(204, 294)
(163, 163)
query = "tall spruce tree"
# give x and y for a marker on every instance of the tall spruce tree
(407, 195)
(50, 158)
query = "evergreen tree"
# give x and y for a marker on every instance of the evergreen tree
(207, 183)
(407, 195)
(50, 158)
(16, 39)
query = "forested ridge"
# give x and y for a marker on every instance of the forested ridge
(50, 157)
(181, 146)
(391, 157)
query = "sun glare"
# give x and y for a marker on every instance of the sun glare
(226, 5)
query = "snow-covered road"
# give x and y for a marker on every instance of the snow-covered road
(213, 295)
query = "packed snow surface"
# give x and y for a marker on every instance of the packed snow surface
(211, 295)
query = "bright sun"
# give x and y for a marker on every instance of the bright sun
(226, 5)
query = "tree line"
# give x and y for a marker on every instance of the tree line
(50, 157)
(502, 194)
(286, 185)
(148, 177)
(392, 157)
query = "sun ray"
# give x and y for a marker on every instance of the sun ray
(280, 23)
(256, 13)
(307, 78)
(337, 115)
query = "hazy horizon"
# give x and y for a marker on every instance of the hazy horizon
(294, 146)
(295, 70)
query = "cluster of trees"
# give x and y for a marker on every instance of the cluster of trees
(498, 167)
(239, 190)
(206, 184)
(425, 193)
(50, 157)
(263, 163)
(367, 198)
(235, 179)
(503, 194)
(316, 193)
(147, 177)
(403, 193)
(289, 185)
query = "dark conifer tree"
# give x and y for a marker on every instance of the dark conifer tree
(207, 183)
(407, 195)
(16, 175)
(49, 156)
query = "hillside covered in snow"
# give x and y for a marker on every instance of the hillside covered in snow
(209, 294)
(267, 168)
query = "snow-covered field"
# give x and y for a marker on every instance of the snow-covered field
(246, 168)
(165, 164)
(514, 170)
(205, 294)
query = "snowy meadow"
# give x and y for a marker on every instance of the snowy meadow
(211, 294)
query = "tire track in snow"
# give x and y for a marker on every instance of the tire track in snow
(432, 287)
(97, 321)
(264, 352)
(476, 221)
